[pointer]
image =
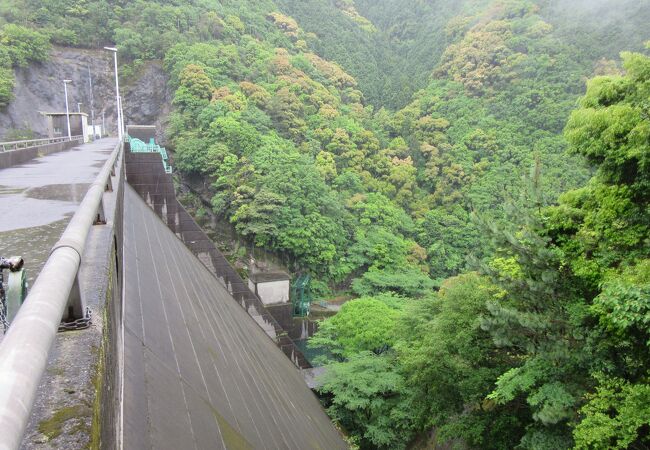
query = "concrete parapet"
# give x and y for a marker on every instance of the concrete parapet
(77, 402)
(22, 155)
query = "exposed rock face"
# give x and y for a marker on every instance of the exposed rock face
(147, 100)
(39, 87)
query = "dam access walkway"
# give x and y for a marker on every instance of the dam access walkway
(38, 198)
(176, 355)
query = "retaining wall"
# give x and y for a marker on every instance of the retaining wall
(22, 155)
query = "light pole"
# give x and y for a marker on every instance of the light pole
(92, 103)
(67, 112)
(79, 107)
(120, 125)
(121, 115)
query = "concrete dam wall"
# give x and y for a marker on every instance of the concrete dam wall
(146, 175)
(198, 370)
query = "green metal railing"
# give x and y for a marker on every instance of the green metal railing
(301, 296)
(139, 146)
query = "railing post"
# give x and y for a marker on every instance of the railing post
(76, 307)
(100, 218)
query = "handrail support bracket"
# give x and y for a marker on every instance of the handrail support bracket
(100, 217)
(76, 307)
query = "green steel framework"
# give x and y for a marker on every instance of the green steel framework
(301, 296)
(138, 146)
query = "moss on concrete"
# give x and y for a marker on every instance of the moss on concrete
(53, 427)
(231, 437)
(98, 384)
(100, 366)
(56, 371)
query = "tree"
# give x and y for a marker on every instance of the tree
(6, 86)
(449, 237)
(326, 165)
(615, 416)
(406, 280)
(450, 364)
(195, 80)
(287, 113)
(363, 324)
(256, 215)
(24, 45)
(362, 375)
(367, 401)
(533, 320)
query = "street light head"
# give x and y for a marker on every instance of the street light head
(110, 49)
(67, 81)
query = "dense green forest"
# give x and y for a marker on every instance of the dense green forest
(475, 173)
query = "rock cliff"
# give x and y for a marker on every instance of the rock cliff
(39, 87)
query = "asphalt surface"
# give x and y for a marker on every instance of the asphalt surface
(198, 370)
(37, 200)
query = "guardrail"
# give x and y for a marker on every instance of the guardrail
(138, 146)
(25, 348)
(15, 145)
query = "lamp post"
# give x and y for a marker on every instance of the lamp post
(120, 125)
(119, 105)
(67, 112)
(79, 107)
(92, 103)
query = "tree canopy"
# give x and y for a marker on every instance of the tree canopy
(441, 162)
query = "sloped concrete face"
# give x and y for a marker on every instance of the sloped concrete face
(198, 370)
(146, 175)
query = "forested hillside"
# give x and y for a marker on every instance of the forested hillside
(474, 173)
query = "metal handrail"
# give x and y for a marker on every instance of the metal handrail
(25, 348)
(138, 146)
(15, 145)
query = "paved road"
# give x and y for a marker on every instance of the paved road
(37, 200)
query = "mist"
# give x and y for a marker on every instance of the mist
(614, 25)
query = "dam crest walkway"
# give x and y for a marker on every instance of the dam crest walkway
(176, 354)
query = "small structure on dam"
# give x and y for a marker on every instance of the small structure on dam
(271, 287)
(57, 124)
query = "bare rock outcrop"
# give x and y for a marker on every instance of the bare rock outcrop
(39, 87)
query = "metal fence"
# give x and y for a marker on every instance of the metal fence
(15, 145)
(25, 348)
(138, 146)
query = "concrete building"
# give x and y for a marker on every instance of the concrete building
(57, 124)
(271, 287)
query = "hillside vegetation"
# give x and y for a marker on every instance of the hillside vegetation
(476, 173)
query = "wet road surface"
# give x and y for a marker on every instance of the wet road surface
(38, 198)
